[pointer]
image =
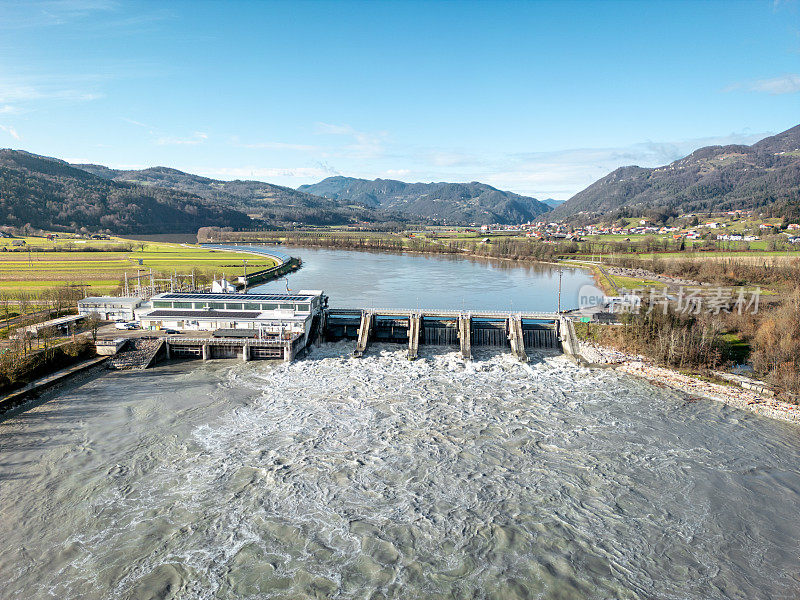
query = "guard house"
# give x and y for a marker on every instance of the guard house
(110, 308)
(270, 314)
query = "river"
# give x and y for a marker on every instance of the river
(382, 478)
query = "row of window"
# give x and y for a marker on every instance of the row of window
(231, 305)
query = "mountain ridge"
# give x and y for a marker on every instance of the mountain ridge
(49, 193)
(472, 202)
(267, 201)
(764, 175)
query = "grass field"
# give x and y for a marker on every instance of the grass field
(37, 270)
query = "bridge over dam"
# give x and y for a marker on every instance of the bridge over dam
(518, 331)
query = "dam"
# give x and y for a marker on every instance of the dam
(282, 326)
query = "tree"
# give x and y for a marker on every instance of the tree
(93, 323)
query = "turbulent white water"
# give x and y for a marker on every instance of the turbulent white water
(376, 477)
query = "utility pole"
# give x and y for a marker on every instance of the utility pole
(245, 276)
(560, 270)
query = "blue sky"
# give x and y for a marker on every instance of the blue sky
(541, 98)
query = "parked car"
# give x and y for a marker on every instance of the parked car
(169, 331)
(124, 325)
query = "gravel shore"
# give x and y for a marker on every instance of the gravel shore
(729, 394)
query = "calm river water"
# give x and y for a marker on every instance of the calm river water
(379, 478)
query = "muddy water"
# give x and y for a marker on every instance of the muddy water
(376, 477)
(393, 280)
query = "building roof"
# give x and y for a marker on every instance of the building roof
(128, 300)
(236, 297)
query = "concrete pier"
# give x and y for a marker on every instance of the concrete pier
(364, 332)
(465, 336)
(517, 338)
(414, 330)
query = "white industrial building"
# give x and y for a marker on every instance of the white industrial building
(110, 308)
(270, 314)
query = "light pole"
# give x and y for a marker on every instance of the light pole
(560, 271)
(245, 276)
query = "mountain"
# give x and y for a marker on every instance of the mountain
(765, 175)
(553, 203)
(274, 203)
(450, 202)
(50, 194)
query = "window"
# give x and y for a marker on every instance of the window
(233, 305)
(181, 305)
(161, 304)
(252, 306)
(269, 306)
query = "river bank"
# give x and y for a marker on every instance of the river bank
(725, 392)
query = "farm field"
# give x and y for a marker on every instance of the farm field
(101, 264)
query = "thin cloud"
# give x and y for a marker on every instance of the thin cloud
(20, 92)
(363, 144)
(280, 146)
(10, 131)
(269, 173)
(785, 84)
(197, 138)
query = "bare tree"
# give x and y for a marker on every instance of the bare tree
(93, 324)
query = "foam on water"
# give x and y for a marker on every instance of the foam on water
(379, 477)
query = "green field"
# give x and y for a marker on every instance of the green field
(101, 264)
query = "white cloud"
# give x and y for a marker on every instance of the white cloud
(452, 159)
(16, 92)
(197, 138)
(298, 174)
(280, 146)
(10, 131)
(785, 84)
(363, 144)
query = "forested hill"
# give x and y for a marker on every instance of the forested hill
(765, 176)
(273, 203)
(449, 202)
(50, 194)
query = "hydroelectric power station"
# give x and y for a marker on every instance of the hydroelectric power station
(283, 325)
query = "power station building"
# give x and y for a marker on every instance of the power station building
(269, 314)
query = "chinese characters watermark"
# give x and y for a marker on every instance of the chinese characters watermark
(686, 300)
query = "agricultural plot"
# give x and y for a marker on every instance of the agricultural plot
(100, 265)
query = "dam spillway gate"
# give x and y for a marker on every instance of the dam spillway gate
(516, 331)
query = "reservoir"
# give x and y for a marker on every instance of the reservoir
(336, 477)
(388, 280)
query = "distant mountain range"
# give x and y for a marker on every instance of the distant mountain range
(50, 194)
(765, 175)
(273, 203)
(553, 203)
(456, 203)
